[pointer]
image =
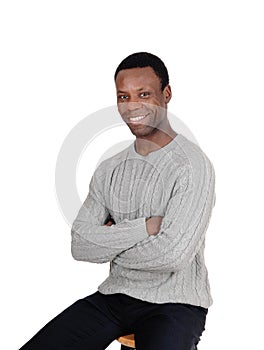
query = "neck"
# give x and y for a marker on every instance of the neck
(152, 142)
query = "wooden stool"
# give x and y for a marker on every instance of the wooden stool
(127, 341)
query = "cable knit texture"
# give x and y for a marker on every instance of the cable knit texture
(176, 181)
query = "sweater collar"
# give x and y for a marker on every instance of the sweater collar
(156, 153)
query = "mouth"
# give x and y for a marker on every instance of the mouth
(136, 119)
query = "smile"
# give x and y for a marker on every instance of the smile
(136, 118)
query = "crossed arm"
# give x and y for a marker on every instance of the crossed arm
(152, 224)
(96, 238)
(156, 244)
(183, 227)
(92, 239)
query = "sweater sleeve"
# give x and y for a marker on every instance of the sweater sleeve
(93, 241)
(183, 226)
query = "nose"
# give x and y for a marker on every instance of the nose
(130, 108)
(133, 105)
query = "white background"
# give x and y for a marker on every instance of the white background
(57, 64)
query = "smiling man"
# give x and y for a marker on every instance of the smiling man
(142, 96)
(147, 212)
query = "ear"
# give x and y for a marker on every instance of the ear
(167, 93)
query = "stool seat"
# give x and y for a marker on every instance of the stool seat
(127, 340)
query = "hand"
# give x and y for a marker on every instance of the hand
(110, 223)
(153, 225)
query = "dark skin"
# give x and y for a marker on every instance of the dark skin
(139, 95)
(152, 224)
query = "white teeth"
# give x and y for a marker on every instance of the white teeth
(137, 118)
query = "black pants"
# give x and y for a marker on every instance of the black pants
(93, 322)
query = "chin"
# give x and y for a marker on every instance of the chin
(140, 131)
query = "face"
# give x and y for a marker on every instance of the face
(141, 102)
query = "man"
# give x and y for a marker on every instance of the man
(146, 212)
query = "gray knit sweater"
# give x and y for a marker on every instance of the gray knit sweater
(176, 181)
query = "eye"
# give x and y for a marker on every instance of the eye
(144, 94)
(122, 97)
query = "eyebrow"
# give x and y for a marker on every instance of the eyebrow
(120, 92)
(123, 92)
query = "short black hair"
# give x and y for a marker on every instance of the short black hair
(146, 59)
